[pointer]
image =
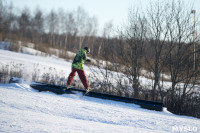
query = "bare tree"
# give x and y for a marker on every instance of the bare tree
(131, 52)
(38, 25)
(157, 34)
(81, 17)
(91, 31)
(52, 27)
(6, 19)
(25, 23)
(180, 58)
(106, 34)
(70, 29)
(2, 13)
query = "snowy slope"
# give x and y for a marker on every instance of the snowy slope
(23, 109)
(31, 63)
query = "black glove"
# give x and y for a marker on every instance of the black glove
(88, 60)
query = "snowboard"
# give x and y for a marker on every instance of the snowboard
(83, 91)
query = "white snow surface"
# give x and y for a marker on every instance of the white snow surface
(25, 110)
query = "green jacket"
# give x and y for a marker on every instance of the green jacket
(79, 59)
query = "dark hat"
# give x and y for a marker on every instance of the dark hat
(87, 49)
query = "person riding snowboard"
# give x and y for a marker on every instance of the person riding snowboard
(77, 66)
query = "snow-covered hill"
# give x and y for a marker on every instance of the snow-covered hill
(23, 109)
(33, 61)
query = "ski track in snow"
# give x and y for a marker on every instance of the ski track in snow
(23, 109)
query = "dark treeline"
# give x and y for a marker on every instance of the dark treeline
(162, 42)
(56, 29)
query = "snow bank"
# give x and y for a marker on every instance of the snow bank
(23, 109)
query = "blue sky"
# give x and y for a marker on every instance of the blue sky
(104, 10)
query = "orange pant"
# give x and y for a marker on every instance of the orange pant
(81, 74)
